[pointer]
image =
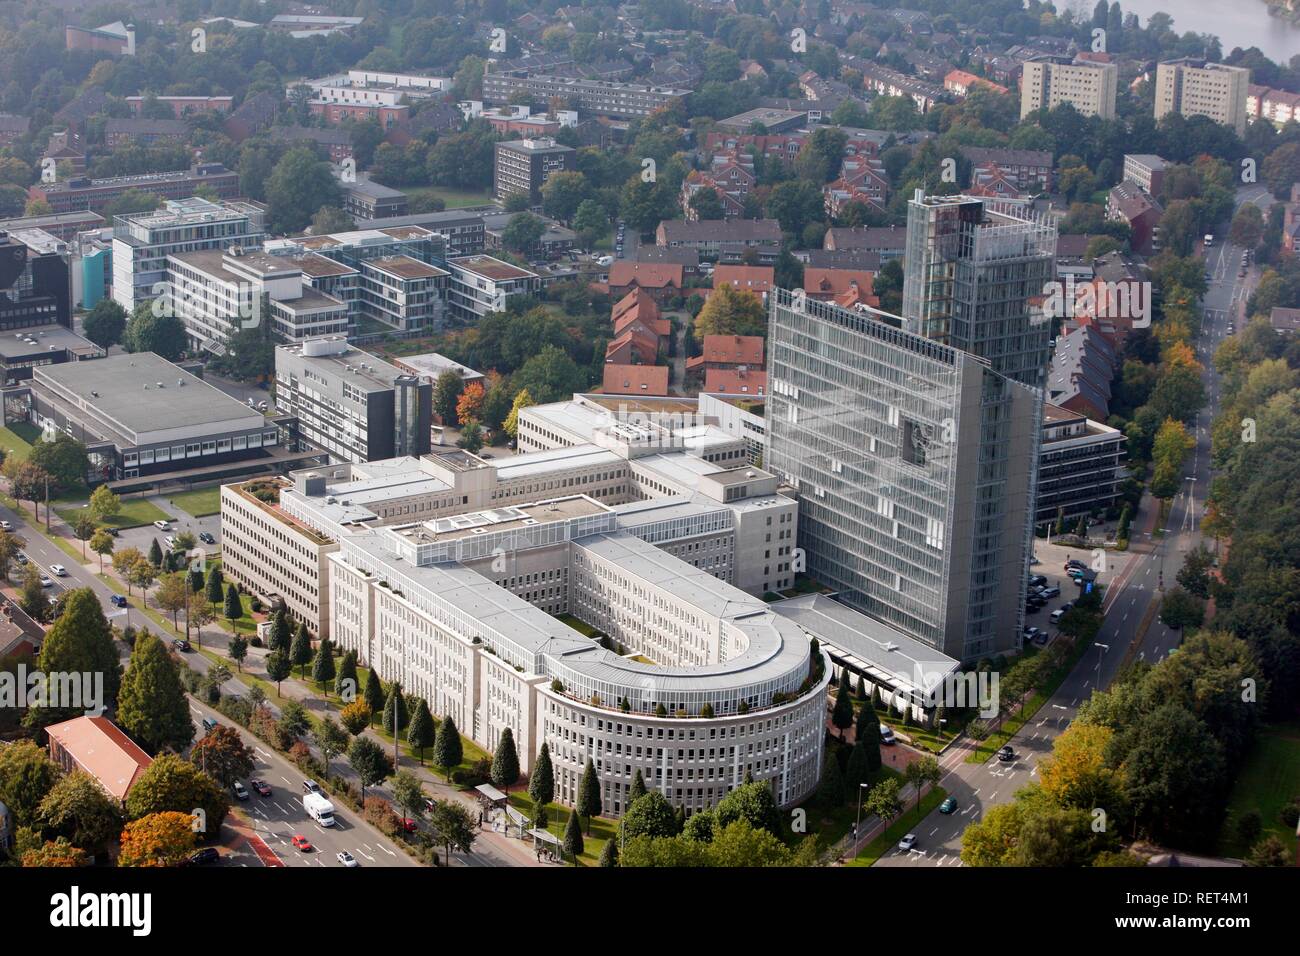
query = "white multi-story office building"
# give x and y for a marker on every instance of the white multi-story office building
(143, 241)
(483, 284)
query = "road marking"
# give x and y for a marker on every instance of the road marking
(366, 855)
(993, 796)
(934, 831)
(976, 793)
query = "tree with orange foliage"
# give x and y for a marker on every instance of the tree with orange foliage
(469, 407)
(158, 839)
(56, 853)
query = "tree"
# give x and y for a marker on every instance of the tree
(79, 642)
(278, 667)
(408, 793)
(707, 205)
(322, 668)
(471, 437)
(369, 761)
(294, 724)
(920, 772)
(731, 312)
(590, 222)
(541, 785)
(830, 791)
(446, 396)
(173, 595)
(1269, 852)
(856, 770)
(162, 333)
(234, 608)
(101, 542)
(329, 219)
(420, 734)
(33, 600)
(221, 754)
(356, 717)
(522, 401)
(637, 790)
(299, 185)
(173, 784)
(64, 459)
(842, 715)
(78, 808)
(345, 684)
(609, 855)
(142, 574)
(395, 712)
(300, 651)
(573, 844)
(649, 815)
(152, 707)
(563, 193)
(505, 761)
(331, 739)
(105, 323)
(158, 839)
(238, 651)
(281, 637)
(53, 853)
(27, 776)
(453, 825)
(551, 375)
(796, 204)
(867, 734)
(589, 794)
(448, 751)
(753, 802)
(26, 480)
(374, 695)
(1194, 575)
(10, 546)
(522, 232)
(155, 553)
(1180, 609)
(883, 799)
(213, 589)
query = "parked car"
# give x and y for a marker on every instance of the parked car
(948, 806)
(301, 843)
(261, 786)
(1037, 580)
(886, 735)
(208, 854)
(310, 786)
(1031, 633)
(20, 558)
(59, 570)
(163, 525)
(1050, 592)
(118, 600)
(6, 526)
(1006, 754)
(1040, 639)
(347, 859)
(1057, 615)
(116, 533)
(908, 843)
(206, 537)
(209, 724)
(181, 645)
(239, 790)
(1074, 563)
(409, 825)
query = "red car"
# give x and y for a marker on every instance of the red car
(409, 825)
(301, 842)
(262, 787)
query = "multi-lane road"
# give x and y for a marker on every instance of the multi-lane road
(1132, 629)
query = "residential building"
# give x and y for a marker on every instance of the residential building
(1089, 87)
(1084, 364)
(116, 38)
(1284, 321)
(366, 199)
(99, 748)
(1195, 87)
(350, 403)
(886, 242)
(735, 381)
(961, 83)
(1031, 169)
(181, 106)
(772, 120)
(1145, 170)
(522, 166)
(756, 279)
(663, 282)
(635, 379)
(721, 241)
(1128, 202)
(144, 132)
(915, 466)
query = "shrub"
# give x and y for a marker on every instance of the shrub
(379, 813)
(300, 754)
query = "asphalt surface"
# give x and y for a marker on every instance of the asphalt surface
(1131, 598)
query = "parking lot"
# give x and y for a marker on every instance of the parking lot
(1051, 560)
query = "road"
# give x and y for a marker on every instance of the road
(277, 818)
(1131, 599)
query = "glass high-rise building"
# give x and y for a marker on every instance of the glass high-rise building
(975, 273)
(914, 462)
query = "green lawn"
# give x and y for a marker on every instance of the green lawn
(833, 825)
(1269, 779)
(135, 513)
(557, 817)
(17, 439)
(205, 501)
(454, 198)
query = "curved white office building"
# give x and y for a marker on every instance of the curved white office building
(708, 684)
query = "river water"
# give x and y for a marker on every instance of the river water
(1243, 23)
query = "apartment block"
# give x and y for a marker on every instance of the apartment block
(602, 97)
(79, 193)
(483, 284)
(522, 166)
(1089, 87)
(1196, 87)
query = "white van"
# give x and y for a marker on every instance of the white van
(163, 525)
(319, 808)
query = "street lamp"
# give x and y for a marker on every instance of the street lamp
(1104, 648)
(858, 820)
